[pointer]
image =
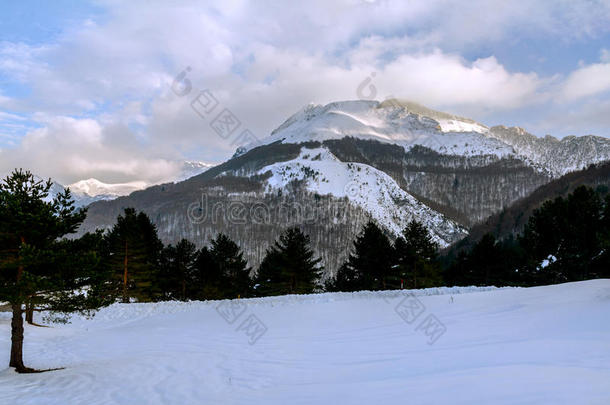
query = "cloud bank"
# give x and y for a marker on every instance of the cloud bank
(97, 101)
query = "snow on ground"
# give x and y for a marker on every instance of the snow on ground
(503, 346)
(373, 190)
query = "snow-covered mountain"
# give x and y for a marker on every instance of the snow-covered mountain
(95, 188)
(347, 162)
(408, 124)
(191, 168)
(390, 122)
(366, 187)
(559, 156)
(85, 192)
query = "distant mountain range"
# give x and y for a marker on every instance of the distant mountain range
(348, 161)
(90, 190)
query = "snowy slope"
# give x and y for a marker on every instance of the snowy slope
(407, 124)
(387, 122)
(373, 190)
(80, 198)
(448, 122)
(557, 156)
(95, 188)
(192, 168)
(543, 345)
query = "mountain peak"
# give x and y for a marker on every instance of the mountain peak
(93, 187)
(393, 121)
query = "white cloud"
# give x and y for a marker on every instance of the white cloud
(101, 93)
(69, 149)
(588, 80)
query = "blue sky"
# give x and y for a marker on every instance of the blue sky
(85, 87)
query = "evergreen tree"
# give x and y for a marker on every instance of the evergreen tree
(600, 266)
(289, 266)
(208, 278)
(483, 260)
(565, 239)
(416, 258)
(457, 269)
(369, 266)
(232, 266)
(133, 254)
(176, 277)
(346, 279)
(34, 265)
(567, 232)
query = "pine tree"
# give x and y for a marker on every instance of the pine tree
(289, 266)
(346, 279)
(601, 262)
(484, 261)
(566, 229)
(369, 266)
(34, 264)
(208, 278)
(134, 254)
(176, 277)
(416, 258)
(232, 266)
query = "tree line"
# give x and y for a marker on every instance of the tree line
(566, 239)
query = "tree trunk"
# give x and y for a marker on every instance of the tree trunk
(16, 359)
(125, 262)
(17, 339)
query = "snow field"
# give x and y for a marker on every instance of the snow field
(515, 345)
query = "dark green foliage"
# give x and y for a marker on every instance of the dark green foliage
(565, 239)
(600, 264)
(134, 255)
(412, 262)
(35, 267)
(570, 231)
(369, 266)
(217, 272)
(176, 276)
(31, 258)
(513, 218)
(233, 269)
(346, 279)
(490, 262)
(208, 278)
(416, 258)
(289, 266)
